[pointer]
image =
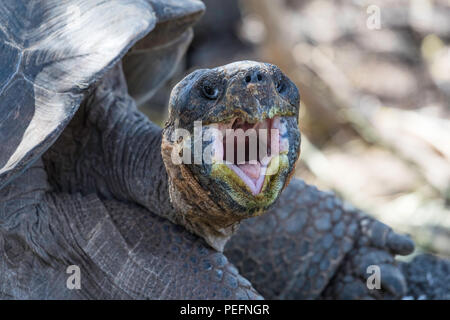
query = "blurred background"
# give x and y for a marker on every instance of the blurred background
(374, 79)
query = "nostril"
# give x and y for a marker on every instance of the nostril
(254, 76)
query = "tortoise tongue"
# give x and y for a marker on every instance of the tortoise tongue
(253, 171)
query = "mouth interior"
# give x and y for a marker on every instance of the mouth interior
(253, 147)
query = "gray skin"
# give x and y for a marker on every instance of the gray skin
(312, 245)
(428, 277)
(90, 188)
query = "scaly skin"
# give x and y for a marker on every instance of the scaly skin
(123, 250)
(428, 277)
(89, 203)
(311, 245)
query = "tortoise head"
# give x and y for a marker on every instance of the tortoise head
(230, 145)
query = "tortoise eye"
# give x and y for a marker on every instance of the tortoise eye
(210, 92)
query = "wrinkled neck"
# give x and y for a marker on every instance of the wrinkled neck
(20, 197)
(156, 197)
(194, 209)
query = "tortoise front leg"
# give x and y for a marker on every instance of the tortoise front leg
(372, 256)
(311, 245)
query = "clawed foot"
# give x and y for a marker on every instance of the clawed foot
(369, 271)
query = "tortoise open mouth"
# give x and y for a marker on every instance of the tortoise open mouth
(252, 150)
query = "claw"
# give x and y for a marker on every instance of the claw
(382, 236)
(400, 244)
(392, 280)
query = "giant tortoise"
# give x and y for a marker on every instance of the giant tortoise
(88, 182)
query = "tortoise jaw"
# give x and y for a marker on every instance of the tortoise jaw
(255, 185)
(212, 197)
(249, 148)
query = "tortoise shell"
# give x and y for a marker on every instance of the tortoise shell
(53, 51)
